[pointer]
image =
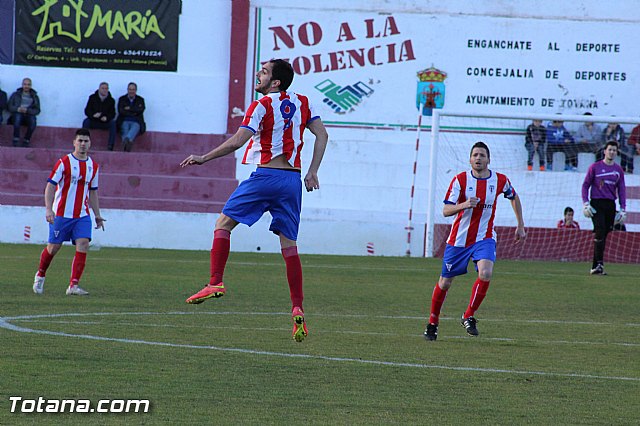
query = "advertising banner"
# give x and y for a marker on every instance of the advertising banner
(113, 34)
(6, 32)
(369, 69)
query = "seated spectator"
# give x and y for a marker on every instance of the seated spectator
(536, 141)
(560, 140)
(101, 113)
(3, 103)
(614, 132)
(24, 105)
(568, 222)
(634, 144)
(589, 137)
(131, 116)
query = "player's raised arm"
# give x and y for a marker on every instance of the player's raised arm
(452, 209)
(230, 145)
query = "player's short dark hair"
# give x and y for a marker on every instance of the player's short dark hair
(612, 143)
(568, 210)
(83, 132)
(483, 145)
(283, 71)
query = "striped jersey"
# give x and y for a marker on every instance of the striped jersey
(563, 225)
(277, 121)
(473, 225)
(73, 179)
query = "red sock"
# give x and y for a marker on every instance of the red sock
(219, 254)
(77, 267)
(45, 261)
(294, 274)
(437, 299)
(477, 296)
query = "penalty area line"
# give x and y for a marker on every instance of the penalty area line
(8, 326)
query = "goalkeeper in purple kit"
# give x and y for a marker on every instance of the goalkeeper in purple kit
(604, 184)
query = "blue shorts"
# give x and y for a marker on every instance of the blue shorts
(276, 191)
(65, 229)
(456, 259)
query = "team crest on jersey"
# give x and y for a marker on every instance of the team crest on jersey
(492, 188)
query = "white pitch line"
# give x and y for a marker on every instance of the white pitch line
(363, 333)
(6, 325)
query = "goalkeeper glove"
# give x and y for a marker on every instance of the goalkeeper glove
(620, 216)
(588, 210)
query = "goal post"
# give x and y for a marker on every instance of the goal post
(544, 193)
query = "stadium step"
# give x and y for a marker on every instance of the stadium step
(62, 138)
(149, 178)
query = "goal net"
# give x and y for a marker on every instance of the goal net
(546, 185)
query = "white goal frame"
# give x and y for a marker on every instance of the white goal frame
(435, 137)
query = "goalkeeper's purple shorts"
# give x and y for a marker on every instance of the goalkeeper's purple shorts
(456, 259)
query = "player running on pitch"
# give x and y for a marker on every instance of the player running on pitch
(71, 188)
(275, 123)
(472, 197)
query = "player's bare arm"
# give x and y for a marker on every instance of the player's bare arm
(230, 145)
(49, 193)
(452, 209)
(520, 233)
(316, 127)
(95, 206)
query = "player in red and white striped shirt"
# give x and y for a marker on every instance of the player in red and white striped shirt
(71, 189)
(568, 222)
(472, 198)
(275, 123)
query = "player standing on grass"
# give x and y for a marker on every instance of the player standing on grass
(71, 188)
(472, 197)
(275, 124)
(604, 183)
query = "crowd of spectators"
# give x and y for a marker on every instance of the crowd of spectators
(23, 107)
(589, 137)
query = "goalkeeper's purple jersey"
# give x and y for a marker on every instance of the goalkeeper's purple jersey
(606, 182)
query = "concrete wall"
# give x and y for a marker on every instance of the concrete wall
(191, 100)
(366, 175)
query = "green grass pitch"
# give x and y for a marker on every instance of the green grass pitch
(556, 345)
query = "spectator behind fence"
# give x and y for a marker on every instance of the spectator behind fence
(101, 113)
(3, 104)
(634, 145)
(24, 105)
(589, 138)
(131, 116)
(615, 132)
(568, 222)
(536, 141)
(560, 140)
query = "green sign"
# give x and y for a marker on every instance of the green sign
(115, 34)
